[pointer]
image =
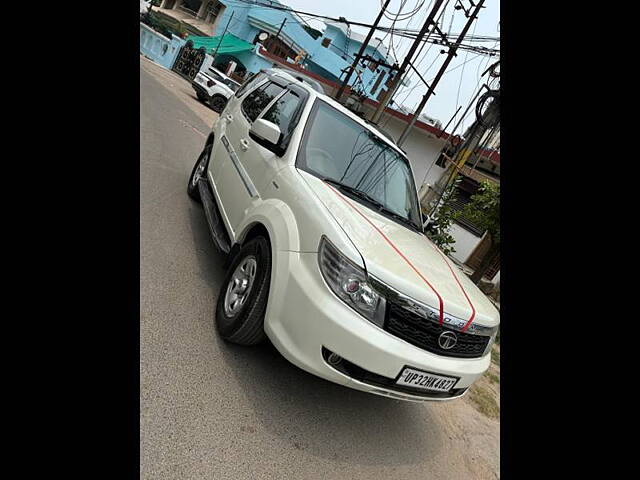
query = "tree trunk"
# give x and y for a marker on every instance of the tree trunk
(486, 262)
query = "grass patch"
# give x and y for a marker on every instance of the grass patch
(495, 356)
(493, 378)
(484, 402)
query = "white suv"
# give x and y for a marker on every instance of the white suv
(327, 256)
(214, 88)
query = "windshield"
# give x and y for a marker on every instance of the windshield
(227, 81)
(340, 149)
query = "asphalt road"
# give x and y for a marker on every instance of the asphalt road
(211, 410)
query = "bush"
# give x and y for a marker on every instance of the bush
(438, 227)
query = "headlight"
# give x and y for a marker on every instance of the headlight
(349, 283)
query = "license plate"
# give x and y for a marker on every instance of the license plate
(411, 377)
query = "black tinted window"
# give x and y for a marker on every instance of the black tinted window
(231, 84)
(257, 100)
(213, 74)
(282, 112)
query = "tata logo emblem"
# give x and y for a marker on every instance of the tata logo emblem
(447, 340)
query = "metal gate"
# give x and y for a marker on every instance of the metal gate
(189, 61)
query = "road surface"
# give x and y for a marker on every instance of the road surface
(211, 410)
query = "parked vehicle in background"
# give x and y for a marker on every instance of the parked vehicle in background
(214, 88)
(319, 214)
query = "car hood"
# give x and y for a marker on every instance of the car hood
(391, 251)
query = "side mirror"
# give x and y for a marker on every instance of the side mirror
(266, 134)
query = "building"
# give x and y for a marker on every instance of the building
(199, 16)
(284, 34)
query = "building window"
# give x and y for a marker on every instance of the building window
(326, 42)
(191, 6)
(212, 11)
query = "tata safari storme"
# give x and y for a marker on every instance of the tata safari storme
(319, 214)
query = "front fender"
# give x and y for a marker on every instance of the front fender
(280, 222)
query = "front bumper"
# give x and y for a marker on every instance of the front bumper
(304, 317)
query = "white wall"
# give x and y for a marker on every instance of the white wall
(465, 242)
(422, 148)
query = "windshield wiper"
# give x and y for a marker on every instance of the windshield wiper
(400, 218)
(368, 198)
(354, 191)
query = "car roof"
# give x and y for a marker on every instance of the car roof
(305, 80)
(337, 105)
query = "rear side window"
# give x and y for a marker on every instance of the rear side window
(257, 100)
(283, 111)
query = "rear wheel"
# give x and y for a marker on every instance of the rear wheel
(198, 172)
(242, 300)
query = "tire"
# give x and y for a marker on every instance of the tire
(217, 103)
(243, 323)
(198, 169)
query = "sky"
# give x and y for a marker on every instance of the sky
(457, 87)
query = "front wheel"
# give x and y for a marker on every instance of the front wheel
(242, 300)
(218, 102)
(198, 172)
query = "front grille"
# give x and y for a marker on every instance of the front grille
(424, 333)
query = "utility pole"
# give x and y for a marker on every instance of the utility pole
(361, 51)
(384, 101)
(489, 120)
(443, 68)
(222, 36)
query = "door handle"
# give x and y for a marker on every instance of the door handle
(244, 144)
(229, 118)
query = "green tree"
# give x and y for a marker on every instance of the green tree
(438, 227)
(484, 211)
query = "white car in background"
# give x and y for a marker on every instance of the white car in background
(214, 88)
(328, 258)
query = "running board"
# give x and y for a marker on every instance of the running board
(216, 227)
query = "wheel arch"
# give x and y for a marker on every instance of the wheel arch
(250, 232)
(275, 219)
